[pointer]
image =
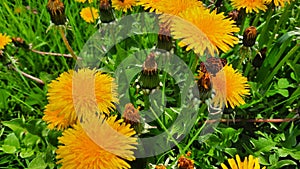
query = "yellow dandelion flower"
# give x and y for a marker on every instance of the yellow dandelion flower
(277, 2)
(123, 5)
(249, 5)
(4, 40)
(252, 163)
(76, 92)
(152, 5)
(83, 1)
(202, 30)
(229, 86)
(97, 144)
(89, 14)
(177, 6)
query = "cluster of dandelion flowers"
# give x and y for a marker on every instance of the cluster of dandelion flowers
(4, 40)
(205, 31)
(76, 93)
(278, 2)
(78, 150)
(251, 163)
(89, 14)
(123, 5)
(230, 87)
(249, 5)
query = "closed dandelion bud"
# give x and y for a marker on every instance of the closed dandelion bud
(185, 163)
(259, 58)
(149, 78)
(249, 36)
(131, 116)
(164, 37)
(106, 12)
(57, 12)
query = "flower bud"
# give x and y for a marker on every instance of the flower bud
(149, 78)
(106, 12)
(249, 36)
(57, 12)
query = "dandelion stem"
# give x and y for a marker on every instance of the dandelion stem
(166, 130)
(28, 75)
(62, 33)
(254, 120)
(50, 53)
(198, 130)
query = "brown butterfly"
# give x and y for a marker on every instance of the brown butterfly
(207, 69)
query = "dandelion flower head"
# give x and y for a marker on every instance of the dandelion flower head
(251, 163)
(205, 31)
(230, 87)
(4, 40)
(100, 143)
(75, 93)
(123, 5)
(89, 14)
(249, 5)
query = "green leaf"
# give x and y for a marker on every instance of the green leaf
(37, 163)
(273, 158)
(231, 151)
(12, 140)
(283, 92)
(296, 155)
(1, 131)
(17, 125)
(11, 144)
(26, 153)
(31, 140)
(3, 99)
(231, 134)
(9, 149)
(296, 71)
(283, 83)
(263, 144)
(283, 163)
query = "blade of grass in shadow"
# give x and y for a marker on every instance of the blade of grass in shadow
(264, 34)
(283, 18)
(274, 56)
(280, 64)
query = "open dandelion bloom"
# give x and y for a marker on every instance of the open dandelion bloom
(4, 40)
(251, 163)
(249, 5)
(89, 14)
(177, 6)
(201, 30)
(229, 86)
(76, 92)
(278, 2)
(110, 145)
(123, 5)
(152, 5)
